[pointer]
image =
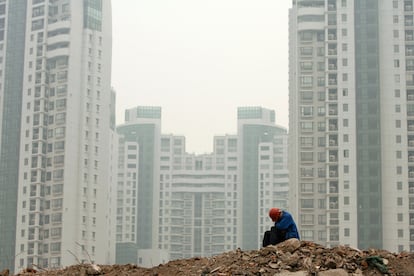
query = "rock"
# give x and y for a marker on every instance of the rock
(334, 272)
(296, 273)
(289, 245)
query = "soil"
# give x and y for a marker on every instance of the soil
(292, 257)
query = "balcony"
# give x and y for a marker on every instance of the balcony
(333, 82)
(333, 158)
(335, 174)
(333, 205)
(332, 52)
(333, 111)
(332, 66)
(333, 127)
(332, 36)
(333, 190)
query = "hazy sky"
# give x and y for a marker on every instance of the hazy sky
(200, 60)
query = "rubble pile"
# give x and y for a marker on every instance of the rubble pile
(290, 258)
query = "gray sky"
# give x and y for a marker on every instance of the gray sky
(200, 60)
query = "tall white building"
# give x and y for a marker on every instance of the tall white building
(351, 101)
(198, 198)
(190, 205)
(262, 172)
(137, 215)
(57, 73)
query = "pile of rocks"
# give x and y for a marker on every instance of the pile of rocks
(292, 257)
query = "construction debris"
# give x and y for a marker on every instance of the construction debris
(292, 257)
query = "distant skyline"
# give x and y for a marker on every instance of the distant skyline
(199, 61)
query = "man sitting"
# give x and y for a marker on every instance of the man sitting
(284, 228)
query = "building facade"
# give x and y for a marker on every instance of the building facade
(263, 173)
(195, 204)
(137, 220)
(57, 106)
(350, 78)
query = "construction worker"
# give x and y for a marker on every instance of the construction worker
(284, 228)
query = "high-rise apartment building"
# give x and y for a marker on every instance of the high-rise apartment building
(137, 216)
(189, 205)
(198, 198)
(262, 172)
(350, 122)
(56, 132)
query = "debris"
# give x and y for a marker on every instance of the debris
(292, 257)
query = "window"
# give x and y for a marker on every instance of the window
(306, 51)
(397, 78)
(399, 170)
(396, 63)
(306, 156)
(306, 141)
(306, 203)
(307, 187)
(398, 154)
(397, 108)
(395, 19)
(346, 200)
(396, 48)
(306, 81)
(346, 169)
(306, 126)
(306, 111)
(346, 232)
(346, 153)
(397, 93)
(306, 95)
(395, 34)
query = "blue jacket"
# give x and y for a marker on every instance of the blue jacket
(286, 223)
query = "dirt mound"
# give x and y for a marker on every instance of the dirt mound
(291, 257)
